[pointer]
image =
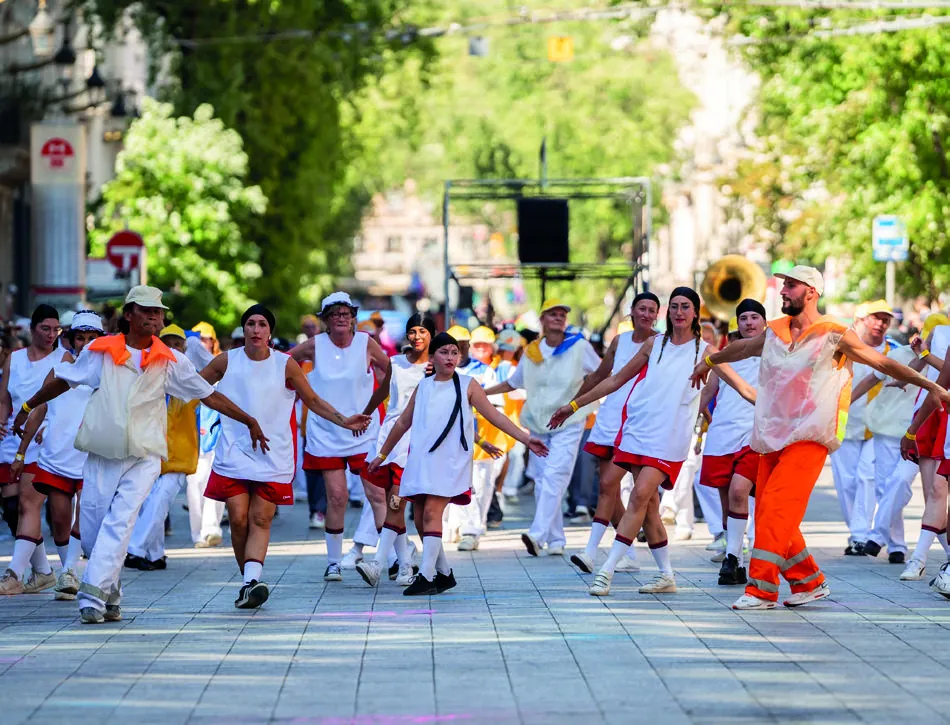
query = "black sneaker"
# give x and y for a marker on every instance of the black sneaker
(420, 586)
(855, 549)
(872, 548)
(252, 595)
(444, 582)
(730, 573)
(642, 536)
(136, 562)
(895, 557)
(159, 564)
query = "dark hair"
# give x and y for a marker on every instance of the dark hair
(441, 340)
(421, 319)
(43, 312)
(697, 329)
(750, 305)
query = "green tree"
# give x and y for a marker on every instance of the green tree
(181, 183)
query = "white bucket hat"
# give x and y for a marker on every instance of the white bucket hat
(337, 298)
(86, 320)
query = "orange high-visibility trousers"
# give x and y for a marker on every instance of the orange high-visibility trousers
(783, 486)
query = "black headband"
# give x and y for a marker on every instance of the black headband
(750, 305)
(645, 296)
(420, 319)
(261, 310)
(441, 340)
(43, 312)
(689, 293)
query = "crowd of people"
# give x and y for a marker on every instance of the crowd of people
(106, 420)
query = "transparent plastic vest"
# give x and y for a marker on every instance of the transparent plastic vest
(803, 392)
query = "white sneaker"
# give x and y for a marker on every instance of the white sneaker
(209, 541)
(370, 571)
(719, 556)
(748, 603)
(468, 543)
(660, 584)
(37, 582)
(404, 577)
(682, 534)
(351, 558)
(583, 562)
(717, 544)
(581, 516)
(333, 573)
(668, 516)
(555, 550)
(10, 583)
(797, 600)
(627, 564)
(318, 520)
(600, 587)
(914, 571)
(941, 582)
(67, 586)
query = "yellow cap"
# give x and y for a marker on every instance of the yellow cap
(733, 324)
(554, 303)
(483, 334)
(873, 308)
(172, 330)
(933, 320)
(624, 326)
(205, 330)
(459, 333)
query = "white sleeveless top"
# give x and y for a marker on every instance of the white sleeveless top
(57, 453)
(733, 416)
(940, 343)
(662, 408)
(447, 471)
(405, 379)
(343, 378)
(259, 387)
(610, 414)
(26, 378)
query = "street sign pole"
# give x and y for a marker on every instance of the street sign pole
(890, 278)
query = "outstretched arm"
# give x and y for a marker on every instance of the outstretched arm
(603, 370)
(215, 370)
(733, 352)
(51, 389)
(225, 406)
(857, 351)
(710, 391)
(863, 387)
(298, 381)
(33, 423)
(303, 351)
(395, 435)
(735, 381)
(480, 401)
(498, 389)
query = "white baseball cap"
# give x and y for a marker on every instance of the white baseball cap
(145, 296)
(806, 275)
(86, 320)
(337, 298)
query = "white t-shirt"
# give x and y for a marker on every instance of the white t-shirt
(890, 412)
(591, 362)
(733, 416)
(855, 429)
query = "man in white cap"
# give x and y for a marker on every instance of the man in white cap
(123, 430)
(852, 465)
(801, 407)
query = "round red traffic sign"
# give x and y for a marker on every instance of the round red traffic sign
(124, 250)
(57, 152)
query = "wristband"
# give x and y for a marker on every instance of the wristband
(381, 456)
(574, 406)
(910, 436)
(709, 362)
(924, 354)
(26, 408)
(19, 457)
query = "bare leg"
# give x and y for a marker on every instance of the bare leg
(237, 514)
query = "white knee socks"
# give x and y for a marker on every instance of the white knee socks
(431, 546)
(22, 553)
(735, 531)
(334, 546)
(597, 530)
(661, 555)
(620, 547)
(253, 570)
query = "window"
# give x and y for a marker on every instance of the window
(394, 244)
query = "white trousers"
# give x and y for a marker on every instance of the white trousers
(204, 514)
(148, 534)
(680, 499)
(553, 476)
(711, 505)
(473, 519)
(515, 472)
(366, 533)
(852, 466)
(893, 477)
(112, 494)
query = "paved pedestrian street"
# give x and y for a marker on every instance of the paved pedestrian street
(519, 641)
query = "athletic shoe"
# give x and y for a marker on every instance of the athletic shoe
(39, 582)
(872, 548)
(420, 587)
(797, 600)
(895, 557)
(914, 571)
(356, 503)
(318, 520)
(209, 541)
(717, 544)
(393, 571)
(530, 544)
(10, 583)
(90, 615)
(405, 574)
(668, 516)
(731, 574)
(158, 564)
(252, 595)
(370, 571)
(333, 573)
(583, 562)
(660, 584)
(136, 562)
(642, 536)
(511, 498)
(468, 543)
(67, 586)
(628, 565)
(581, 516)
(855, 549)
(113, 613)
(351, 558)
(494, 523)
(600, 587)
(941, 582)
(748, 603)
(556, 550)
(682, 534)
(718, 557)
(444, 582)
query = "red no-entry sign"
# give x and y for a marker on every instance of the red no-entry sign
(124, 250)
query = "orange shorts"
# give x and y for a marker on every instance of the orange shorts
(355, 463)
(221, 488)
(46, 482)
(604, 453)
(386, 476)
(718, 471)
(932, 434)
(632, 460)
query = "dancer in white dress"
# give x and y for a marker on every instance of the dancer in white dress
(439, 464)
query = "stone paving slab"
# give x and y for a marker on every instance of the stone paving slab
(519, 641)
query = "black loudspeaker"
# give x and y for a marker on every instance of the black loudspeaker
(543, 226)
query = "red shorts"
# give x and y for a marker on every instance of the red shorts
(718, 471)
(604, 453)
(386, 476)
(631, 460)
(355, 463)
(4, 474)
(45, 482)
(932, 434)
(221, 488)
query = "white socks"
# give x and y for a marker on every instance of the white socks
(735, 531)
(431, 546)
(942, 538)
(334, 547)
(661, 555)
(73, 552)
(22, 553)
(401, 546)
(38, 560)
(924, 542)
(442, 563)
(253, 571)
(617, 552)
(387, 541)
(63, 552)
(597, 530)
